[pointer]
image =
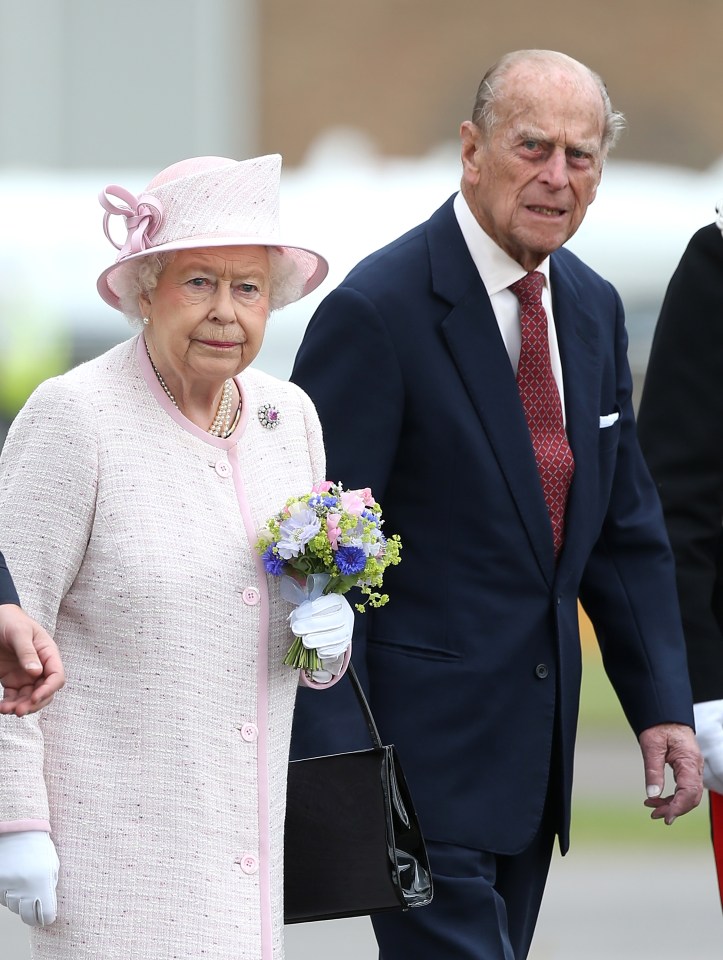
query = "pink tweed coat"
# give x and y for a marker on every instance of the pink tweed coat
(161, 767)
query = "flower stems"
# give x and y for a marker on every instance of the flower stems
(301, 658)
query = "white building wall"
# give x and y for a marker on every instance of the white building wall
(135, 83)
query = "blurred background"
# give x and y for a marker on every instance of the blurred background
(364, 102)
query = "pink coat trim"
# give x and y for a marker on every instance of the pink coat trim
(20, 826)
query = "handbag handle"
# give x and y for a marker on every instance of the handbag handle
(365, 708)
(395, 796)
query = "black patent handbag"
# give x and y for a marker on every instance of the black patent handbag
(352, 841)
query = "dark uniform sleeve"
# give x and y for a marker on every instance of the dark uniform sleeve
(680, 425)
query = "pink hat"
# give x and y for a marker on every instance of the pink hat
(204, 202)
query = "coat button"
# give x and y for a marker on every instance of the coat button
(248, 863)
(223, 468)
(249, 732)
(541, 671)
(251, 596)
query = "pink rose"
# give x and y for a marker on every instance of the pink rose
(352, 502)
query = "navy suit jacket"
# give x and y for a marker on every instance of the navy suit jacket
(473, 668)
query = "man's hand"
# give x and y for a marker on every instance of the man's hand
(31, 671)
(674, 744)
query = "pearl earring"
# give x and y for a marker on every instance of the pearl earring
(146, 321)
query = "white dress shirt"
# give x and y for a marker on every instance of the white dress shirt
(498, 271)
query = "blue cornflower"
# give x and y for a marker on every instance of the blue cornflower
(350, 560)
(273, 563)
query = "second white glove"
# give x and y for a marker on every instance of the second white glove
(324, 625)
(709, 734)
(28, 876)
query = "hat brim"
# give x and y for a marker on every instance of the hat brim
(312, 266)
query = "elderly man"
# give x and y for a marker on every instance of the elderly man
(30, 668)
(473, 373)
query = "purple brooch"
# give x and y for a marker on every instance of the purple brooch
(268, 416)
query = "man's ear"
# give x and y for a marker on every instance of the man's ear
(470, 137)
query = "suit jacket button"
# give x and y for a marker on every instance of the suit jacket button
(541, 671)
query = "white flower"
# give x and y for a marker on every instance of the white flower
(371, 548)
(301, 526)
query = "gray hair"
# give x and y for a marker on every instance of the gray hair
(490, 90)
(139, 278)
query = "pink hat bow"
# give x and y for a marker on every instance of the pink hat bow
(143, 216)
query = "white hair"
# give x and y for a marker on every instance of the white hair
(139, 278)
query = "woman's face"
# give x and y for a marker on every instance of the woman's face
(208, 311)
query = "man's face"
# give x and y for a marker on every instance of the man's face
(530, 181)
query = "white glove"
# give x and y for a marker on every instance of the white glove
(28, 876)
(709, 734)
(325, 625)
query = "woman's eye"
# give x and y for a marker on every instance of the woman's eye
(198, 282)
(247, 289)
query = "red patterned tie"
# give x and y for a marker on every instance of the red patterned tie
(541, 403)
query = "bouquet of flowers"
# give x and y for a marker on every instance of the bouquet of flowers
(330, 540)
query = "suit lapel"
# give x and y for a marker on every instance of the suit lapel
(577, 336)
(474, 341)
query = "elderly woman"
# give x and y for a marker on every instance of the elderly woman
(138, 482)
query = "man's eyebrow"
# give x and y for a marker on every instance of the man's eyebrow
(521, 134)
(530, 133)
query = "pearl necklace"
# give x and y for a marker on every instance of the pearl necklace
(224, 423)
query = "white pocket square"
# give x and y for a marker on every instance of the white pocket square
(609, 419)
